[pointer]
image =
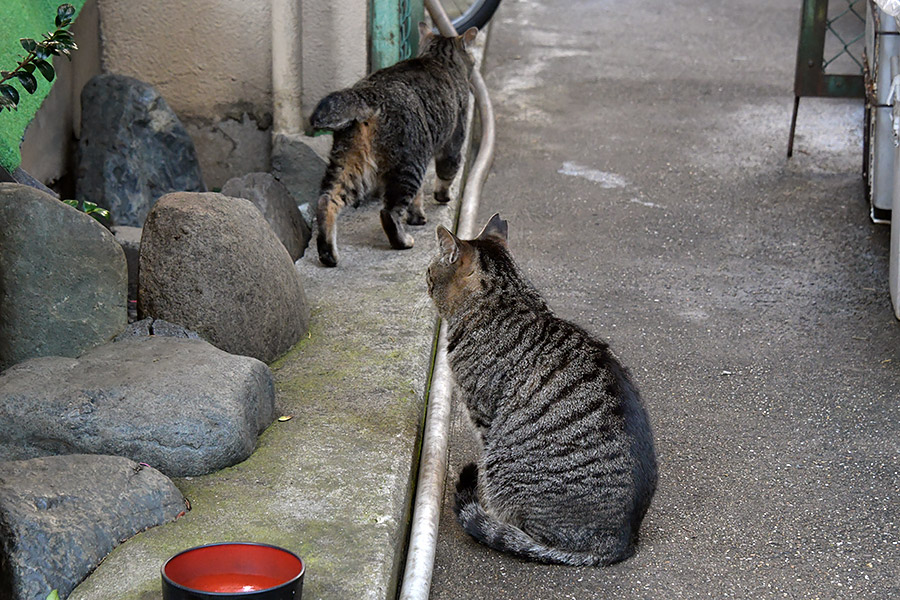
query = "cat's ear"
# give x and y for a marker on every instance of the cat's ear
(468, 37)
(496, 229)
(425, 32)
(448, 245)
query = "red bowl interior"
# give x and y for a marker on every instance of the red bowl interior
(230, 568)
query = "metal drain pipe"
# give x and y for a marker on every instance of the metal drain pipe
(433, 462)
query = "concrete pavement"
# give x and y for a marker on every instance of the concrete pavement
(641, 166)
(335, 483)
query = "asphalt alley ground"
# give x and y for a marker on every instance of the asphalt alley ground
(641, 165)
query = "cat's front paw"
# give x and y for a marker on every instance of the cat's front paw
(327, 252)
(415, 218)
(442, 196)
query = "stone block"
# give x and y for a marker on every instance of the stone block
(212, 264)
(61, 515)
(278, 207)
(180, 405)
(133, 149)
(63, 278)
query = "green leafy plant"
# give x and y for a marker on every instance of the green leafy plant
(89, 208)
(54, 595)
(56, 43)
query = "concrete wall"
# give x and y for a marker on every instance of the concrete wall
(335, 47)
(212, 60)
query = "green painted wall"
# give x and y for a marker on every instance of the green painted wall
(21, 19)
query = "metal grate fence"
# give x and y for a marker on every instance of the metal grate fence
(406, 30)
(844, 37)
(832, 38)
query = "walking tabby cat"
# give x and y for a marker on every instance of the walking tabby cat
(387, 128)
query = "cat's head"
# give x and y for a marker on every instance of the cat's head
(460, 271)
(452, 49)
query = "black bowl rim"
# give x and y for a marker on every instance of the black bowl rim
(291, 581)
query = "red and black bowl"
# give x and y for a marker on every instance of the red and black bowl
(244, 570)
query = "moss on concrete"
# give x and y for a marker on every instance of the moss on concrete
(334, 483)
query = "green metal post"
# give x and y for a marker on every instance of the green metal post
(395, 31)
(810, 47)
(385, 34)
(810, 78)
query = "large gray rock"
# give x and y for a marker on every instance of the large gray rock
(180, 405)
(277, 206)
(212, 264)
(133, 149)
(63, 278)
(60, 515)
(299, 163)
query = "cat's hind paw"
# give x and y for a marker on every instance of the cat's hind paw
(399, 239)
(327, 252)
(466, 488)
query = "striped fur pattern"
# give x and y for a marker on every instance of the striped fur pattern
(387, 128)
(567, 467)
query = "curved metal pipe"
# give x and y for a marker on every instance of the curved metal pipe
(468, 208)
(433, 462)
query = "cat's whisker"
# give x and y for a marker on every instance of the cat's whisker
(423, 307)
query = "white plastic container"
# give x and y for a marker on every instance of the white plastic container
(894, 261)
(882, 43)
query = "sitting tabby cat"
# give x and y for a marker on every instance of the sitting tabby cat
(567, 467)
(387, 128)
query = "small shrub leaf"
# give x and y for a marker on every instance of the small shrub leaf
(95, 211)
(64, 14)
(29, 44)
(29, 83)
(89, 208)
(46, 69)
(63, 36)
(8, 91)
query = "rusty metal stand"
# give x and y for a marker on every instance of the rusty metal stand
(790, 151)
(810, 78)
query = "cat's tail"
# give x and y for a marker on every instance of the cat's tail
(508, 538)
(338, 110)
